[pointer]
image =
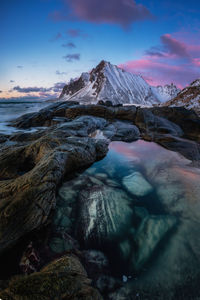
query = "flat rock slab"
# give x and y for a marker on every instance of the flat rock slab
(137, 185)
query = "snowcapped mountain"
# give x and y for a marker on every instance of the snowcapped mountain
(109, 82)
(166, 92)
(189, 97)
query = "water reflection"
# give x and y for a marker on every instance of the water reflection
(140, 205)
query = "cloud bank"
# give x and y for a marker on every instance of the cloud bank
(72, 57)
(173, 60)
(120, 12)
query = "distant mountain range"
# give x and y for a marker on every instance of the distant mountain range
(109, 82)
(189, 97)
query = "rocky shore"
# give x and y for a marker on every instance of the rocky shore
(32, 168)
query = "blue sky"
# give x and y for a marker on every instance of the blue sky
(158, 39)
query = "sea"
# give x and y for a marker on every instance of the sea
(10, 110)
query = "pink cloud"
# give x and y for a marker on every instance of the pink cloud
(172, 61)
(122, 12)
(196, 62)
(174, 46)
(169, 47)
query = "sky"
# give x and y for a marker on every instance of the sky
(45, 43)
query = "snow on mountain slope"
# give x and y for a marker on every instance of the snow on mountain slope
(109, 82)
(189, 97)
(166, 92)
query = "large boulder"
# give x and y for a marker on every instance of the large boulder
(104, 214)
(137, 185)
(121, 131)
(30, 174)
(153, 125)
(45, 116)
(150, 233)
(187, 119)
(63, 279)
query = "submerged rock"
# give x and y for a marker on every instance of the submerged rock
(95, 262)
(125, 250)
(141, 212)
(107, 284)
(104, 214)
(150, 233)
(137, 185)
(60, 245)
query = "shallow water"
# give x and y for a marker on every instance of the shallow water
(140, 206)
(10, 110)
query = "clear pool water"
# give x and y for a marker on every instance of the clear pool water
(140, 206)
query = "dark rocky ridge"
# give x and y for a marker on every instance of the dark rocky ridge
(32, 165)
(165, 125)
(189, 97)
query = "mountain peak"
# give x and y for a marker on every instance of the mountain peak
(109, 82)
(189, 97)
(196, 82)
(101, 66)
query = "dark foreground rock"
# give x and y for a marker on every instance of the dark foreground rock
(155, 124)
(30, 173)
(33, 165)
(64, 278)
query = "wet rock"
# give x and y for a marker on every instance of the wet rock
(96, 180)
(187, 148)
(104, 214)
(109, 113)
(29, 176)
(187, 119)
(62, 244)
(141, 212)
(122, 131)
(67, 194)
(127, 113)
(178, 190)
(64, 278)
(125, 250)
(3, 138)
(112, 183)
(150, 233)
(106, 284)
(95, 262)
(91, 110)
(45, 116)
(152, 125)
(62, 218)
(101, 176)
(91, 170)
(137, 185)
